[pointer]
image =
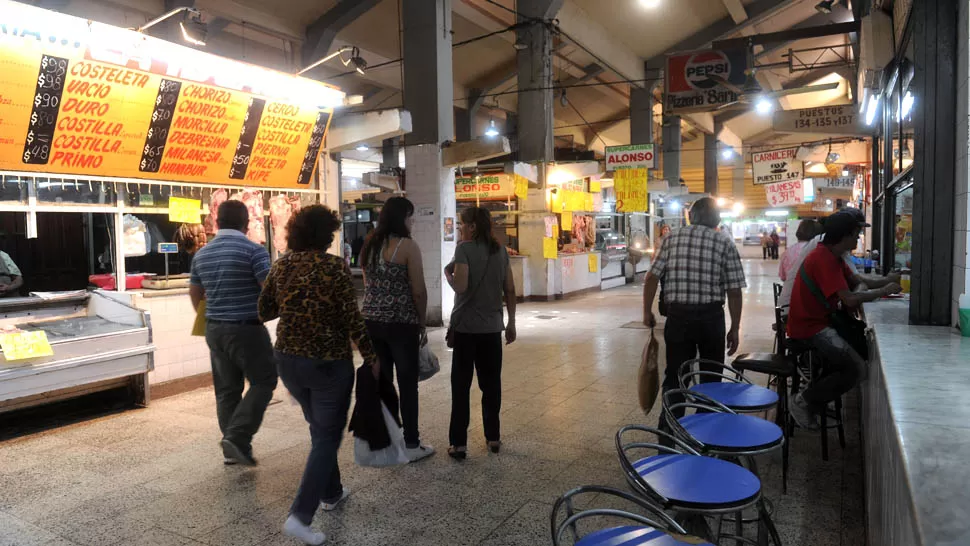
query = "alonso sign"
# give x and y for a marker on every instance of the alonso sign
(634, 156)
(692, 80)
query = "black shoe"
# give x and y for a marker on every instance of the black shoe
(232, 451)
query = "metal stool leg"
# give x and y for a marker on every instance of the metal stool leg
(839, 417)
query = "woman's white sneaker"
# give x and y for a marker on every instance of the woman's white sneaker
(417, 453)
(296, 529)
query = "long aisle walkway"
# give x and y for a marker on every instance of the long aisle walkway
(154, 476)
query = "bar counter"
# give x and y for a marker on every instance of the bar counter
(916, 431)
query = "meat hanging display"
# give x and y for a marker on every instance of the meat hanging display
(281, 209)
(191, 237)
(217, 198)
(253, 199)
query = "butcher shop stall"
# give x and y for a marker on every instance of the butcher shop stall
(109, 200)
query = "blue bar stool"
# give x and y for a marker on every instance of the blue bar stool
(652, 527)
(679, 479)
(717, 431)
(729, 387)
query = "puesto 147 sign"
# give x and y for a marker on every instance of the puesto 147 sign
(776, 166)
(692, 80)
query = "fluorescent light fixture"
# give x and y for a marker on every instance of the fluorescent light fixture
(727, 214)
(871, 109)
(845, 172)
(650, 4)
(908, 103)
(808, 190)
(362, 148)
(764, 106)
(189, 38)
(491, 131)
(337, 53)
(195, 36)
(776, 213)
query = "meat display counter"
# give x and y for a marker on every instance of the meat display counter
(98, 343)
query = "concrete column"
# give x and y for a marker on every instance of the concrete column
(641, 114)
(737, 179)
(671, 149)
(390, 150)
(710, 159)
(428, 95)
(328, 177)
(535, 79)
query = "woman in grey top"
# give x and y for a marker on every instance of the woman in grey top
(481, 276)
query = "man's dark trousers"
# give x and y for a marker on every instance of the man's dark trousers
(692, 331)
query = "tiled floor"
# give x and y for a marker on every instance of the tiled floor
(154, 476)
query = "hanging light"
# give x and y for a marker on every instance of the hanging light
(492, 130)
(362, 147)
(727, 153)
(193, 29)
(764, 106)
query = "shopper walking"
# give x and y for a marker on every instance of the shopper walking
(312, 294)
(481, 276)
(395, 303)
(822, 283)
(774, 241)
(765, 242)
(698, 267)
(228, 273)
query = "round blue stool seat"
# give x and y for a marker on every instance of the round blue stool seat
(699, 482)
(738, 396)
(633, 535)
(729, 432)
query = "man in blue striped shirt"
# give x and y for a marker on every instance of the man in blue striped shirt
(228, 274)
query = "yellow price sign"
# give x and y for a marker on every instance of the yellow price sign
(549, 248)
(521, 187)
(567, 221)
(594, 262)
(595, 186)
(631, 190)
(24, 345)
(185, 211)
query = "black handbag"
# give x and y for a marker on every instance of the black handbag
(849, 328)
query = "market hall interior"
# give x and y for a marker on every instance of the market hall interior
(587, 129)
(155, 475)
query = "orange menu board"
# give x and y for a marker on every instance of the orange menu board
(81, 98)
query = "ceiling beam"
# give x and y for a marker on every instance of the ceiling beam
(810, 76)
(839, 14)
(787, 35)
(757, 11)
(728, 116)
(321, 33)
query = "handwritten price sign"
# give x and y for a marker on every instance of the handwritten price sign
(24, 345)
(783, 194)
(184, 210)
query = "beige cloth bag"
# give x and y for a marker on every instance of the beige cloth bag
(648, 380)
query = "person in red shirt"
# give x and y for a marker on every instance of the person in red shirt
(808, 318)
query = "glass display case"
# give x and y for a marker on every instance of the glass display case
(98, 343)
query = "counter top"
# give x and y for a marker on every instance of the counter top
(150, 293)
(926, 370)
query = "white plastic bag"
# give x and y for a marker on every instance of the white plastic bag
(427, 363)
(391, 455)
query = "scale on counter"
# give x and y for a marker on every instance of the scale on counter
(166, 249)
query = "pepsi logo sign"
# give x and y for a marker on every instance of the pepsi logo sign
(702, 66)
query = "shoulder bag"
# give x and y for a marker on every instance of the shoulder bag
(450, 333)
(849, 328)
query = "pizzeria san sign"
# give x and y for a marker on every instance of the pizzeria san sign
(695, 82)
